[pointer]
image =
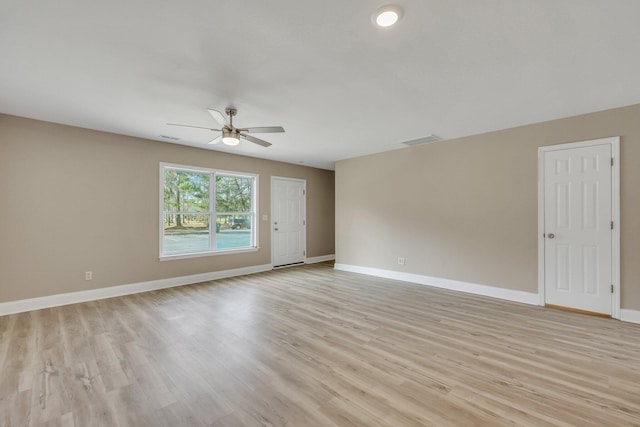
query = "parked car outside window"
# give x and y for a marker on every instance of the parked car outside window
(238, 223)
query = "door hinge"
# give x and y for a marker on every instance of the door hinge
(612, 161)
(304, 192)
(611, 288)
(304, 222)
(304, 253)
(612, 225)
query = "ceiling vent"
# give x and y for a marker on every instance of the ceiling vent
(425, 140)
(173, 138)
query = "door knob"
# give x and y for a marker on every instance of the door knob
(551, 235)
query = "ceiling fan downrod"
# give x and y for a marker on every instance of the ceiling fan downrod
(231, 112)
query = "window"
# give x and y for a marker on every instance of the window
(206, 211)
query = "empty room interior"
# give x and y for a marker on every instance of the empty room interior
(284, 213)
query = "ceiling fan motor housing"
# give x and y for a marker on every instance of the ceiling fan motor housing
(230, 133)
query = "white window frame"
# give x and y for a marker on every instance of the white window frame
(213, 173)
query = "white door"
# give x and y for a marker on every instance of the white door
(578, 227)
(288, 221)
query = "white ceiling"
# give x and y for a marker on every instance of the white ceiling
(340, 86)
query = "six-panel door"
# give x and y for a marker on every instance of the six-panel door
(577, 223)
(288, 221)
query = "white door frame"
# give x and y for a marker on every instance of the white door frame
(615, 215)
(304, 229)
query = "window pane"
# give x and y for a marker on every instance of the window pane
(186, 191)
(234, 231)
(233, 194)
(191, 235)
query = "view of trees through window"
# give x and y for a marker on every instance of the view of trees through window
(233, 193)
(189, 209)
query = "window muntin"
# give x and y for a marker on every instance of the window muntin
(206, 211)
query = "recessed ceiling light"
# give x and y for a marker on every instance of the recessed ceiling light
(386, 16)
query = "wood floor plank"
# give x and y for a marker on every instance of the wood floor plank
(312, 346)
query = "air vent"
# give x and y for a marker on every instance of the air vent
(426, 140)
(173, 138)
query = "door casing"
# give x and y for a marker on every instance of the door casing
(615, 214)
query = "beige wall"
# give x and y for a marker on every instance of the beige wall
(75, 200)
(466, 209)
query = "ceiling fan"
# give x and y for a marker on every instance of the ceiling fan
(230, 134)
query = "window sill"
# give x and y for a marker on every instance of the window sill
(208, 253)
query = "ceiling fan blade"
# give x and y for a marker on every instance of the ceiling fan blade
(255, 140)
(215, 140)
(220, 118)
(190, 126)
(265, 129)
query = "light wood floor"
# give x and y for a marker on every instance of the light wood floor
(310, 346)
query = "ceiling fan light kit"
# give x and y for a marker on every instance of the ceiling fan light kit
(231, 135)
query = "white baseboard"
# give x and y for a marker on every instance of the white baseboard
(38, 303)
(632, 316)
(12, 307)
(454, 285)
(323, 258)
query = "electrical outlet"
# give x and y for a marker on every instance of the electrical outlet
(400, 260)
(88, 275)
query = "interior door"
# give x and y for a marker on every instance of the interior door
(288, 221)
(577, 228)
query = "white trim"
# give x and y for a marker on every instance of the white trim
(161, 167)
(208, 253)
(38, 303)
(615, 216)
(541, 300)
(316, 259)
(632, 316)
(187, 168)
(454, 285)
(614, 141)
